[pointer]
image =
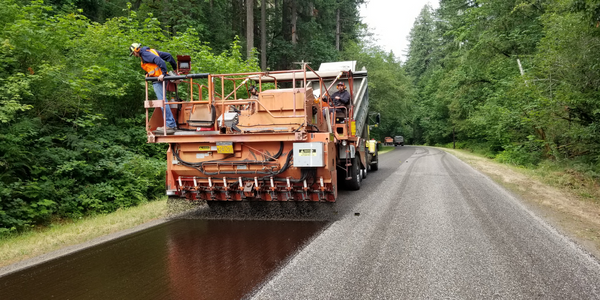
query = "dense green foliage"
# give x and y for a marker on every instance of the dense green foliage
(72, 138)
(221, 21)
(390, 90)
(465, 60)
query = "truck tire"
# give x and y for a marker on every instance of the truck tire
(354, 183)
(364, 173)
(375, 166)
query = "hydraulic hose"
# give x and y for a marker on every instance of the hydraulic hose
(200, 166)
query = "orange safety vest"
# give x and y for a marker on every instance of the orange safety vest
(153, 70)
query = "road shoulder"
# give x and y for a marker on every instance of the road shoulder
(38, 246)
(573, 216)
(24, 264)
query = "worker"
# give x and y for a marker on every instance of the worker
(341, 98)
(253, 92)
(153, 62)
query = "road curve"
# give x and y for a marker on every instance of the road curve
(431, 227)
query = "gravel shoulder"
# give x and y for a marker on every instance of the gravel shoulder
(573, 216)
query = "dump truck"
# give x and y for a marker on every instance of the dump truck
(398, 140)
(388, 141)
(288, 144)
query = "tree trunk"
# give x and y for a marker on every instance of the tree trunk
(453, 138)
(286, 32)
(337, 30)
(263, 34)
(294, 23)
(249, 27)
(136, 4)
(285, 20)
(237, 12)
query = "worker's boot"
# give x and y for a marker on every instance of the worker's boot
(161, 131)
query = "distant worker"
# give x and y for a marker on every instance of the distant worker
(341, 98)
(253, 92)
(153, 62)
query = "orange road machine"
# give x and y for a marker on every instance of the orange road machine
(288, 143)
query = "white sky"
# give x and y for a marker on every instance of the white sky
(391, 21)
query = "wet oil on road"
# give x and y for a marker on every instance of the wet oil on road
(182, 259)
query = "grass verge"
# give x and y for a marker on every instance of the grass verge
(18, 247)
(385, 149)
(566, 199)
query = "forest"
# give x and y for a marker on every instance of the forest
(72, 137)
(516, 80)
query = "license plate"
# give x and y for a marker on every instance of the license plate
(225, 147)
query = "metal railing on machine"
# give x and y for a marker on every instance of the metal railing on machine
(163, 104)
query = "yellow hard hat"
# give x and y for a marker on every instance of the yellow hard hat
(135, 47)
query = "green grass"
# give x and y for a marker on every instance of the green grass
(385, 149)
(17, 247)
(567, 175)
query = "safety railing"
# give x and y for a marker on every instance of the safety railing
(222, 98)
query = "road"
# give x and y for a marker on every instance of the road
(425, 226)
(428, 226)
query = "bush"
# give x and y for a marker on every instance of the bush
(527, 155)
(72, 140)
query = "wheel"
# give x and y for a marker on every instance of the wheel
(375, 166)
(354, 183)
(364, 173)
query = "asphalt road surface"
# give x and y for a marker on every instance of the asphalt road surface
(428, 226)
(425, 226)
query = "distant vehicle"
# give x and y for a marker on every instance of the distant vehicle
(388, 141)
(398, 140)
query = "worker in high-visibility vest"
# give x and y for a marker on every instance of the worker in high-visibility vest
(153, 62)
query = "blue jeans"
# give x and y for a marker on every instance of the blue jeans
(158, 89)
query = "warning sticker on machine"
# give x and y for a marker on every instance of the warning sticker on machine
(225, 147)
(307, 152)
(204, 148)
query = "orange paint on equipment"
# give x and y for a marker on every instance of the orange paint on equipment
(283, 146)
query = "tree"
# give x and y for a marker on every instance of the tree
(249, 27)
(263, 35)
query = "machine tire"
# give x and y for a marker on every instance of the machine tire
(364, 173)
(375, 166)
(354, 183)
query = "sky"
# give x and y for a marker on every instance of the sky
(391, 21)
